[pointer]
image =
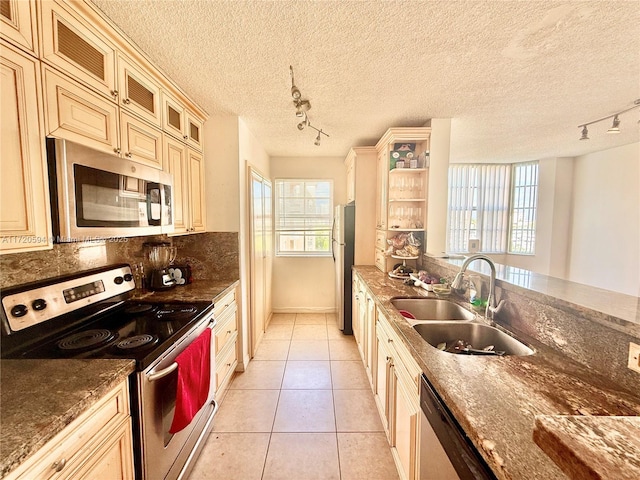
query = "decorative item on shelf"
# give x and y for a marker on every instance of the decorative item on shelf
(181, 274)
(615, 125)
(424, 159)
(401, 155)
(302, 107)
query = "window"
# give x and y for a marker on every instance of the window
(495, 204)
(523, 208)
(304, 217)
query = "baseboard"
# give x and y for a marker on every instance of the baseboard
(304, 310)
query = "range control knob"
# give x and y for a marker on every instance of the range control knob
(118, 280)
(39, 304)
(19, 310)
(128, 277)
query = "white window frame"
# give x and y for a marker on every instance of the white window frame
(306, 231)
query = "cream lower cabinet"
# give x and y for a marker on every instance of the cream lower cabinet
(24, 197)
(226, 341)
(96, 445)
(397, 397)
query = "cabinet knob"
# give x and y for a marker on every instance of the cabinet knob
(128, 154)
(390, 340)
(59, 465)
(126, 101)
(228, 332)
(117, 151)
(186, 137)
(114, 93)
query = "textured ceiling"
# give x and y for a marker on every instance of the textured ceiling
(516, 77)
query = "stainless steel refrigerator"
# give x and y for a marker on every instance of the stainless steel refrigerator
(342, 244)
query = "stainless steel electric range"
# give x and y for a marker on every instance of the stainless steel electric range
(91, 315)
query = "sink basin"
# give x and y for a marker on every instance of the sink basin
(477, 335)
(432, 309)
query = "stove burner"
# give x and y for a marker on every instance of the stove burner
(171, 312)
(139, 308)
(137, 341)
(86, 340)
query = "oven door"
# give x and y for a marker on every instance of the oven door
(102, 196)
(162, 455)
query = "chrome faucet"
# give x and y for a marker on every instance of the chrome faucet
(491, 301)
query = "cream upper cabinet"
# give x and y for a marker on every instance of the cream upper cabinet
(24, 197)
(140, 141)
(74, 46)
(18, 23)
(196, 191)
(187, 167)
(179, 121)
(193, 130)
(138, 92)
(175, 163)
(75, 113)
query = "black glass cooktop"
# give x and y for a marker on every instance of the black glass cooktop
(136, 330)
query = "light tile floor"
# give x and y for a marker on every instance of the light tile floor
(303, 410)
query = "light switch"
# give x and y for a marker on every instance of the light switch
(634, 357)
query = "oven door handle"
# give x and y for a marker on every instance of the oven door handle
(171, 368)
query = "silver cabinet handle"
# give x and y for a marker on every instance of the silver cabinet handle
(59, 465)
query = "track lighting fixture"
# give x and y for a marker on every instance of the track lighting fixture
(615, 125)
(302, 107)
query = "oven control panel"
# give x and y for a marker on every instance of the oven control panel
(31, 306)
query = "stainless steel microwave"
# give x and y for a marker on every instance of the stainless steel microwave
(95, 195)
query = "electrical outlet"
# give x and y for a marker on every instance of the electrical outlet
(634, 357)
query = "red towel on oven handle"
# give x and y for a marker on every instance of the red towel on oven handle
(194, 375)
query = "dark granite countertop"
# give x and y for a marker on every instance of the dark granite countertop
(199, 290)
(39, 398)
(496, 399)
(592, 447)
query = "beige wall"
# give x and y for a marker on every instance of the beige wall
(605, 243)
(307, 283)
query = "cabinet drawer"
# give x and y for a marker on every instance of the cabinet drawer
(381, 239)
(226, 363)
(226, 327)
(78, 441)
(75, 113)
(224, 302)
(381, 260)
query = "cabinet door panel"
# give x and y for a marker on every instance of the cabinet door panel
(73, 46)
(139, 93)
(175, 162)
(173, 117)
(196, 191)
(18, 23)
(140, 141)
(77, 114)
(405, 427)
(24, 197)
(193, 131)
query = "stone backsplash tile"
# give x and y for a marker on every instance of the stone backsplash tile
(212, 256)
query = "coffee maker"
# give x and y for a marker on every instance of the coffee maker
(160, 255)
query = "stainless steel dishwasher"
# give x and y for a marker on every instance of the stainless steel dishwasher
(446, 453)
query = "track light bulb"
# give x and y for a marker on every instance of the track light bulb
(295, 93)
(615, 126)
(301, 125)
(317, 142)
(585, 133)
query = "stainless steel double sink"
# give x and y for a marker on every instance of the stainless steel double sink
(447, 326)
